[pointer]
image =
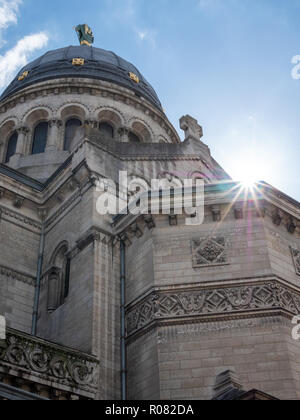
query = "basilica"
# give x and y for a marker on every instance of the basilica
(134, 306)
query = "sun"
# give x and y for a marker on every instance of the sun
(247, 173)
(248, 181)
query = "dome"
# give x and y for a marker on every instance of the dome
(98, 64)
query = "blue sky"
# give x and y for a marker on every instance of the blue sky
(227, 63)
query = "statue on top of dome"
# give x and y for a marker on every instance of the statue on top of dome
(85, 34)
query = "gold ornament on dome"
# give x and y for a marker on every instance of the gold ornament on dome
(23, 76)
(134, 77)
(78, 62)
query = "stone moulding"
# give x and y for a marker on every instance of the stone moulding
(26, 221)
(169, 306)
(49, 364)
(24, 278)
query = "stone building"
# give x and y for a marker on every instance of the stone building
(143, 305)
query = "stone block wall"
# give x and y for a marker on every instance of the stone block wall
(143, 368)
(190, 356)
(18, 263)
(260, 351)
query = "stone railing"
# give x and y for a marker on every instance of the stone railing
(44, 363)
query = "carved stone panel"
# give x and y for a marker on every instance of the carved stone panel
(49, 364)
(296, 259)
(205, 302)
(207, 252)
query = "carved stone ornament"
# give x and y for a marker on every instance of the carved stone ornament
(208, 252)
(296, 259)
(191, 127)
(174, 305)
(53, 363)
(78, 62)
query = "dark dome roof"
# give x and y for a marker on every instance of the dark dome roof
(99, 64)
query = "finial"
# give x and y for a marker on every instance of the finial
(85, 34)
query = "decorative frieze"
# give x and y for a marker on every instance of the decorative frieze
(201, 302)
(49, 363)
(296, 259)
(208, 252)
(20, 218)
(15, 275)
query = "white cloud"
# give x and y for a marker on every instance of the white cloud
(19, 55)
(8, 12)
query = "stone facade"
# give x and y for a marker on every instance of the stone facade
(199, 299)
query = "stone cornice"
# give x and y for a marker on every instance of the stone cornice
(100, 144)
(219, 197)
(55, 193)
(207, 303)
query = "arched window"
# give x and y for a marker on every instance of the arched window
(59, 279)
(133, 138)
(70, 131)
(106, 129)
(40, 138)
(11, 146)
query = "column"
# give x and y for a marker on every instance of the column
(22, 135)
(53, 135)
(123, 134)
(20, 149)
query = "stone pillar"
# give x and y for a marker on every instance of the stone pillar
(90, 125)
(123, 134)
(20, 149)
(53, 135)
(22, 135)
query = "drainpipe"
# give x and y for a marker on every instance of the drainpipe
(38, 282)
(123, 331)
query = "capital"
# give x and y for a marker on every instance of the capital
(22, 130)
(91, 123)
(55, 123)
(123, 131)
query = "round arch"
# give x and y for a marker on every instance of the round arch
(69, 111)
(37, 115)
(142, 131)
(110, 115)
